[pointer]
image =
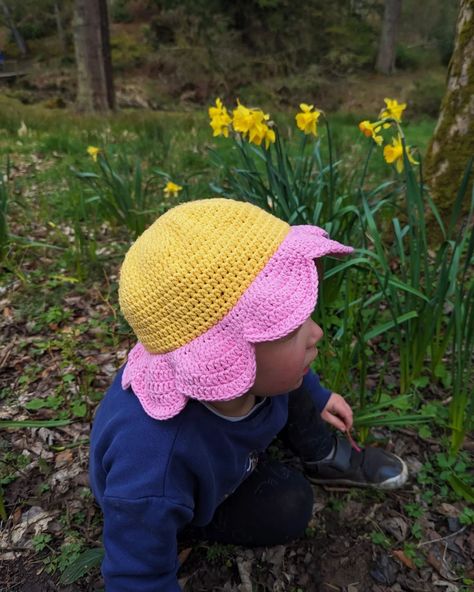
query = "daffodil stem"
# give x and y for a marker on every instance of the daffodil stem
(366, 164)
(331, 168)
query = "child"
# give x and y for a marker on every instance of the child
(219, 294)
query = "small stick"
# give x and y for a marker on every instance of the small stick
(351, 442)
(442, 538)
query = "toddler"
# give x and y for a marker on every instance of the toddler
(219, 294)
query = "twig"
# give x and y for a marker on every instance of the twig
(6, 351)
(244, 568)
(442, 538)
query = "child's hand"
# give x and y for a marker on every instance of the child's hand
(338, 413)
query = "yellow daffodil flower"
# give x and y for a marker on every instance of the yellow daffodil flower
(371, 130)
(393, 110)
(243, 118)
(260, 132)
(220, 119)
(270, 137)
(307, 119)
(393, 154)
(253, 122)
(171, 189)
(93, 152)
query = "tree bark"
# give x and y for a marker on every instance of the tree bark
(20, 42)
(95, 89)
(452, 143)
(385, 63)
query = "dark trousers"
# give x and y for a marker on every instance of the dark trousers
(274, 504)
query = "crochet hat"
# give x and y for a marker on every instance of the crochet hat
(200, 286)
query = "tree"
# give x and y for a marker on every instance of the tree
(95, 89)
(10, 23)
(385, 63)
(60, 26)
(452, 143)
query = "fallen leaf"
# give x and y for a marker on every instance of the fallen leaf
(449, 510)
(184, 554)
(400, 555)
(63, 458)
(439, 563)
(397, 527)
(245, 568)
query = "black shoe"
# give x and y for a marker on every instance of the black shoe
(371, 467)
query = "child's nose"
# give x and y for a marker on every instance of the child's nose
(317, 333)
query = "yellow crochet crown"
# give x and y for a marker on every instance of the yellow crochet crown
(189, 268)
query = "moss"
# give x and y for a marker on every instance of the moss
(452, 144)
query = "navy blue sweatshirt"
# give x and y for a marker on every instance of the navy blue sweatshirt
(152, 478)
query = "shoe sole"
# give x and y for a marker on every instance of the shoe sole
(387, 485)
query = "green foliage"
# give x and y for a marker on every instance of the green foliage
(120, 12)
(467, 516)
(4, 234)
(447, 475)
(426, 95)
(122, 193)
(41, 541)
(68, 554)
(81, 565)
(379, 538)
(397, 290)
(218, 552)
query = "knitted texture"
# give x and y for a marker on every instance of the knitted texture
(219, 364)
(189, 269)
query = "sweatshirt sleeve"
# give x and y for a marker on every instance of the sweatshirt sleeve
(140, 540)
(318, 392)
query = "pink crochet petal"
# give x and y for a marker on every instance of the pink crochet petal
(153, 381)
(220, 364)
(215, 366)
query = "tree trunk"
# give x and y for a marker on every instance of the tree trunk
(452, 143)
(60, 27)
(95, 89)
(18, 38)
(385, 63)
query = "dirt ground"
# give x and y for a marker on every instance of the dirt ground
(338, 554)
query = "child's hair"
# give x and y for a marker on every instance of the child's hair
(204, 283)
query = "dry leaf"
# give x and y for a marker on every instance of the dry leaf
(397, 527)
(63, 458)
(400, 555)
(184, 554)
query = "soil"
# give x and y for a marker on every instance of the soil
(50, 496)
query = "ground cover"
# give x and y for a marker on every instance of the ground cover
(63, 340)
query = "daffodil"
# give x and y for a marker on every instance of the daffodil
(220, 119)
(307, 119)
(393, 154)
(93, 152)
(393, 110)
(254, 124)
(171, 189)
(270, 137)
(242, 118)
(371, 130)
(260, 132)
